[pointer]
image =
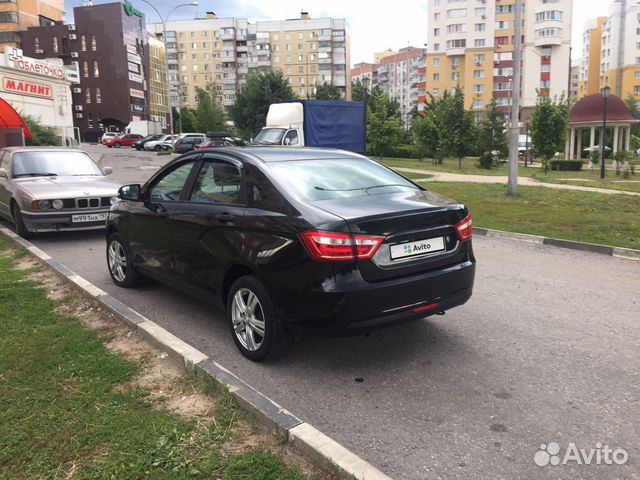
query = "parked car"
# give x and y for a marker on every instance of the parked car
(292, 241)
(52, 189)
(107, 136)
(215, 140)
(162, 143)
(139, 144)
(187, 143)
(123, 140)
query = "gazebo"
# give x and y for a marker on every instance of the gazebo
(587, 113)
(13, 130)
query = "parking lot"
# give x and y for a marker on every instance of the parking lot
(545, 351)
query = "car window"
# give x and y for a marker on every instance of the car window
(218, 182)
(4, 160)
(291, 138)
(169, 187)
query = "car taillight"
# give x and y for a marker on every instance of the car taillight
(464, 229)
(340, 247)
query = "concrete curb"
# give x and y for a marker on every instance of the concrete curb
(325, 452)
(626, 253)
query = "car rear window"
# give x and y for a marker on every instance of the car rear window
(326, 179)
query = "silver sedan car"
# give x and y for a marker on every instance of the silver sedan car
(53, 189)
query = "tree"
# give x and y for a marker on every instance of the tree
(186, 120)
(384, 130)
(326, 91)
(249, 112)
(426, 130)
(209, 116)
(548, 126)
(41, 135)
(456, 136)
(357, 91)
(492, 132)
(634, 109)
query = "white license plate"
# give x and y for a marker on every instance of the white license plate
(421, 247)
(89, 217)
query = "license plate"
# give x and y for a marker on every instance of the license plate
(89, 217)
(421, 247)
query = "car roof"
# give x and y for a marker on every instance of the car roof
(41, 149)
(288, 154)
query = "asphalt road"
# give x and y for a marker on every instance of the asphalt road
(545, 351)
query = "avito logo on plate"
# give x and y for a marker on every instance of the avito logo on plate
(550, 454)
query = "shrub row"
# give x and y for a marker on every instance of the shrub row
(566, 165)
(406, 151)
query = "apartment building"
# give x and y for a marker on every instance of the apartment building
(121, 75)
(611, 51)
(365, 73)
(574, 91)
(309, 52)
(471, 44)
(18, 15)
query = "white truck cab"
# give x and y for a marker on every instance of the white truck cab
(284, 126)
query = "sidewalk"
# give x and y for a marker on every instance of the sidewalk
(523, 181)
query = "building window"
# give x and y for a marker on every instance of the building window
(502, 25)
(457, 13)
(83, 43)
(479, 59)
(545, 67)
(636, 89)
(436, 17)
(456, 28)
(549, 15)
(98, 95)
(301, 69)
(55, 44)
(300, 58)
(502, 40)
(478, 104)
(436, 47)
(85, 69)
(87, 95)
(480, 27)
(300, 46)
(455, 76)
(436, 77)
(194, 56)
(458, 43)
(479, 42)
(478, 89)
(481, 12)
(478, 74)
(436, 92)
(436, 62)
(94, 46)
(36, 44)
(548, 32)
(436, 32)
(8, 17)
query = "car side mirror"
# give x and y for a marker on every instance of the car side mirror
(129, 192)
(107, 170)
(3, 173)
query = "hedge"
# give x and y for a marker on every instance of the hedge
(566, 165)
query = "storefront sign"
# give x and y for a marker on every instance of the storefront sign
(132, 57)
(22, 87)
(137, 108)
(133, 67)
(134, 77)
(131, 11)
(132, 49)
(31, 65)
(136, 93)
(72, 73)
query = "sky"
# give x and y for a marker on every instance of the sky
(374, 25)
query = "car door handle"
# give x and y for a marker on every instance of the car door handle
(224, 217)
(162, 212)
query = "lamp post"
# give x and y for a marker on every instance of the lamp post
(605, 94)
(166, 56)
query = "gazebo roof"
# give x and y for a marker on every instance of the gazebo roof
(590, 109)
(9, 118)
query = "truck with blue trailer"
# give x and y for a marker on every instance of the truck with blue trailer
(316, 123)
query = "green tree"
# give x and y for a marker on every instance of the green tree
(548, 126)
(357, 91)
(426, 130)
(186, 120)
(457, 134)
(326, 91)
(634, 109)
(492, 131)
(249, 112)
(40, 134)
(209, 116)
(384, 129)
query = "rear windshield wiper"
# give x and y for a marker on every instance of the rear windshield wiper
(35, 174)
(366, 189)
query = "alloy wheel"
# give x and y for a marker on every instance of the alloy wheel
(248, 319)
(117, 261)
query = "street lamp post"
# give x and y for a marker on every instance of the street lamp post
(166, 57)
(605, 94)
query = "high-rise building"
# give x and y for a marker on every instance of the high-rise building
(121, 73)
(611, 53)
(309, 52)
(16, 16)
(574, 91)
(471, 45)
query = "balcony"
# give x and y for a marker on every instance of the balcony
(227, 36)
(324, 61)
(324, 49)
(229, 80)
(242, 70)
(242, 48)
(547, 41)
(263, 63)
(451, 52)
(226, 102)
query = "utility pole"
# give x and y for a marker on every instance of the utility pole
(514, 131)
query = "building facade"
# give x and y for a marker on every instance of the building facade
(118, 83)
(39, 88)
(471, 45)
(18, 15)
(611, 51)
(223, 51)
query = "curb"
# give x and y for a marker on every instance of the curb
(619, 252)
(321, 449)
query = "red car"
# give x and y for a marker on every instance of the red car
(124, 140)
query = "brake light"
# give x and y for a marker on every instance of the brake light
(464, 229)
(340, 247)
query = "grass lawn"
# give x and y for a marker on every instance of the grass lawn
(449, 165)
(591, 178)
(70, 408)
(580, 216)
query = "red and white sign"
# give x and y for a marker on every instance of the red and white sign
(136, 93)
(32, 89)
(132, 48)
(32, 65)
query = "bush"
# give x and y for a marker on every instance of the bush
(407, 151)
(486, 161)
(566, 165)
(41, 135)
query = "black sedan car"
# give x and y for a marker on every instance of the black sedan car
(292, 240)
(139, 144)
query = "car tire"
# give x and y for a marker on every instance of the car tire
(157, 148)
(119, 263)
(116, 145)
(257, 331)
(21, 228)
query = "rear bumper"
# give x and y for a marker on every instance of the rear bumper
(355, 306)
(59, 221)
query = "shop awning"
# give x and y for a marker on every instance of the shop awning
(9, 118)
